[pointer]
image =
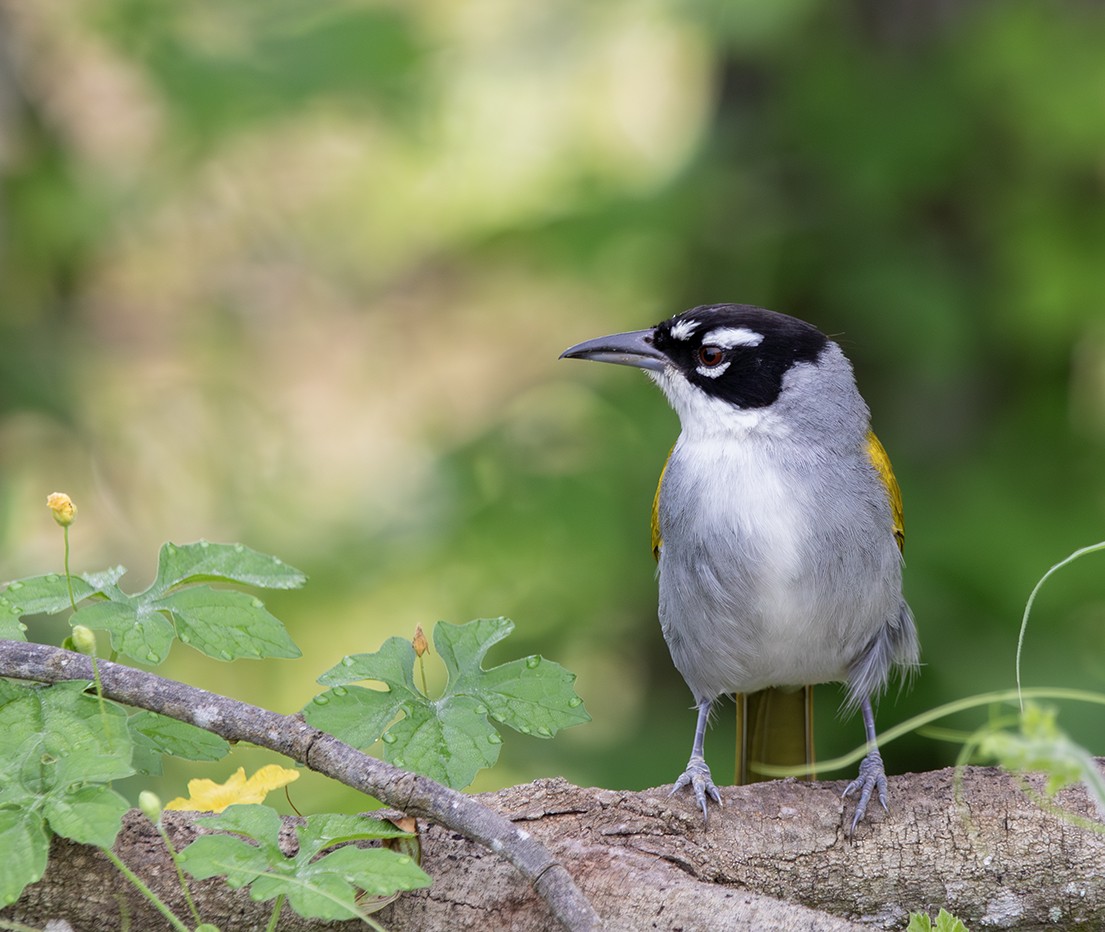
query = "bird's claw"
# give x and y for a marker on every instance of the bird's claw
(872, 777)
(697, 776)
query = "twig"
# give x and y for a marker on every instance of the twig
(291, 736)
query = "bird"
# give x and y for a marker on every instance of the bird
(777, 527)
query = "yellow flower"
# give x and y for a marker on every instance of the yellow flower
(63, 508)
(209, 796)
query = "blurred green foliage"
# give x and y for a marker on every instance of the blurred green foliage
(301, 278)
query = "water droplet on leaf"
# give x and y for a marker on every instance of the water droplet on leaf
(575, 702)
(495, 739)
(347, 661)
(533, 662)
(543, 731)
(15, 587)
(322, 700)
(339, 691)
(238, 548)
(389, 738)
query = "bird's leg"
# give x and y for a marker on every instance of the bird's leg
(697, 774)
(872, 775)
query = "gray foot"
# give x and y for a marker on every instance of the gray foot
(872, 777)
(697, 776)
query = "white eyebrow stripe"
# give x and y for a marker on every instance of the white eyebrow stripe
(728, 337)
(683, 329)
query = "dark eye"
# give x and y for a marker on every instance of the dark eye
(710, 355)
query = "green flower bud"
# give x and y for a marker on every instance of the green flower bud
(150, 804)
(84, 640)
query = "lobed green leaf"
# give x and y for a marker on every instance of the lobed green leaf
(155, 734)
(392, 664)
(138, 631)
(44, 595)
(232, 858)
(226, 625)
(330, 828)
(91, 815)
(11, 628)
(448, 739)
(26, 845)
(357, 715)
(180, 564)
(325, 887)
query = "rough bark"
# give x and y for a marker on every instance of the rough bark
(774, 857)
(291, 736)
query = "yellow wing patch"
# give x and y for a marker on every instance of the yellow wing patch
(881, 462)
(657, 539)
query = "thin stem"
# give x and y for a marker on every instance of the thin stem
(275, 917)
(1093, 548)
(145, 891)
(68, 577)
(422, 671)
(180, 873)
(941, 711)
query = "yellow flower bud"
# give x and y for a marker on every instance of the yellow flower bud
(150, 804)
(63, 508)
(84, 640)
(420, 644)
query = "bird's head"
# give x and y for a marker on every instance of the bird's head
(719, 363)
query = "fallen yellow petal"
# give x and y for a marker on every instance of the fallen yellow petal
(208, 796)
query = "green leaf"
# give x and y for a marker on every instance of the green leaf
(232, 858)
(324, 887)
(533, 696)
(330, 828)
(11, 628)
(227, 625)
(45, 595)
(357, 715)
(392, 664)
(448, 739)
(945, 922)
(56, 737)
(179, 564)
(25, 844)
(137, 630)
(156, 734)
(91, 815)
(329, 887)
(377, 871)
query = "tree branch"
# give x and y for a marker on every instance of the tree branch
(292, 737)
(775, 856)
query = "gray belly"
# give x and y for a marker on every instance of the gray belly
(762, 587)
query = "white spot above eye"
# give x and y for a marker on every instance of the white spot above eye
(712, 372)
(683, 329)
(728, 337)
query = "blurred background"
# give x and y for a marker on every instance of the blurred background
(297, 275)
